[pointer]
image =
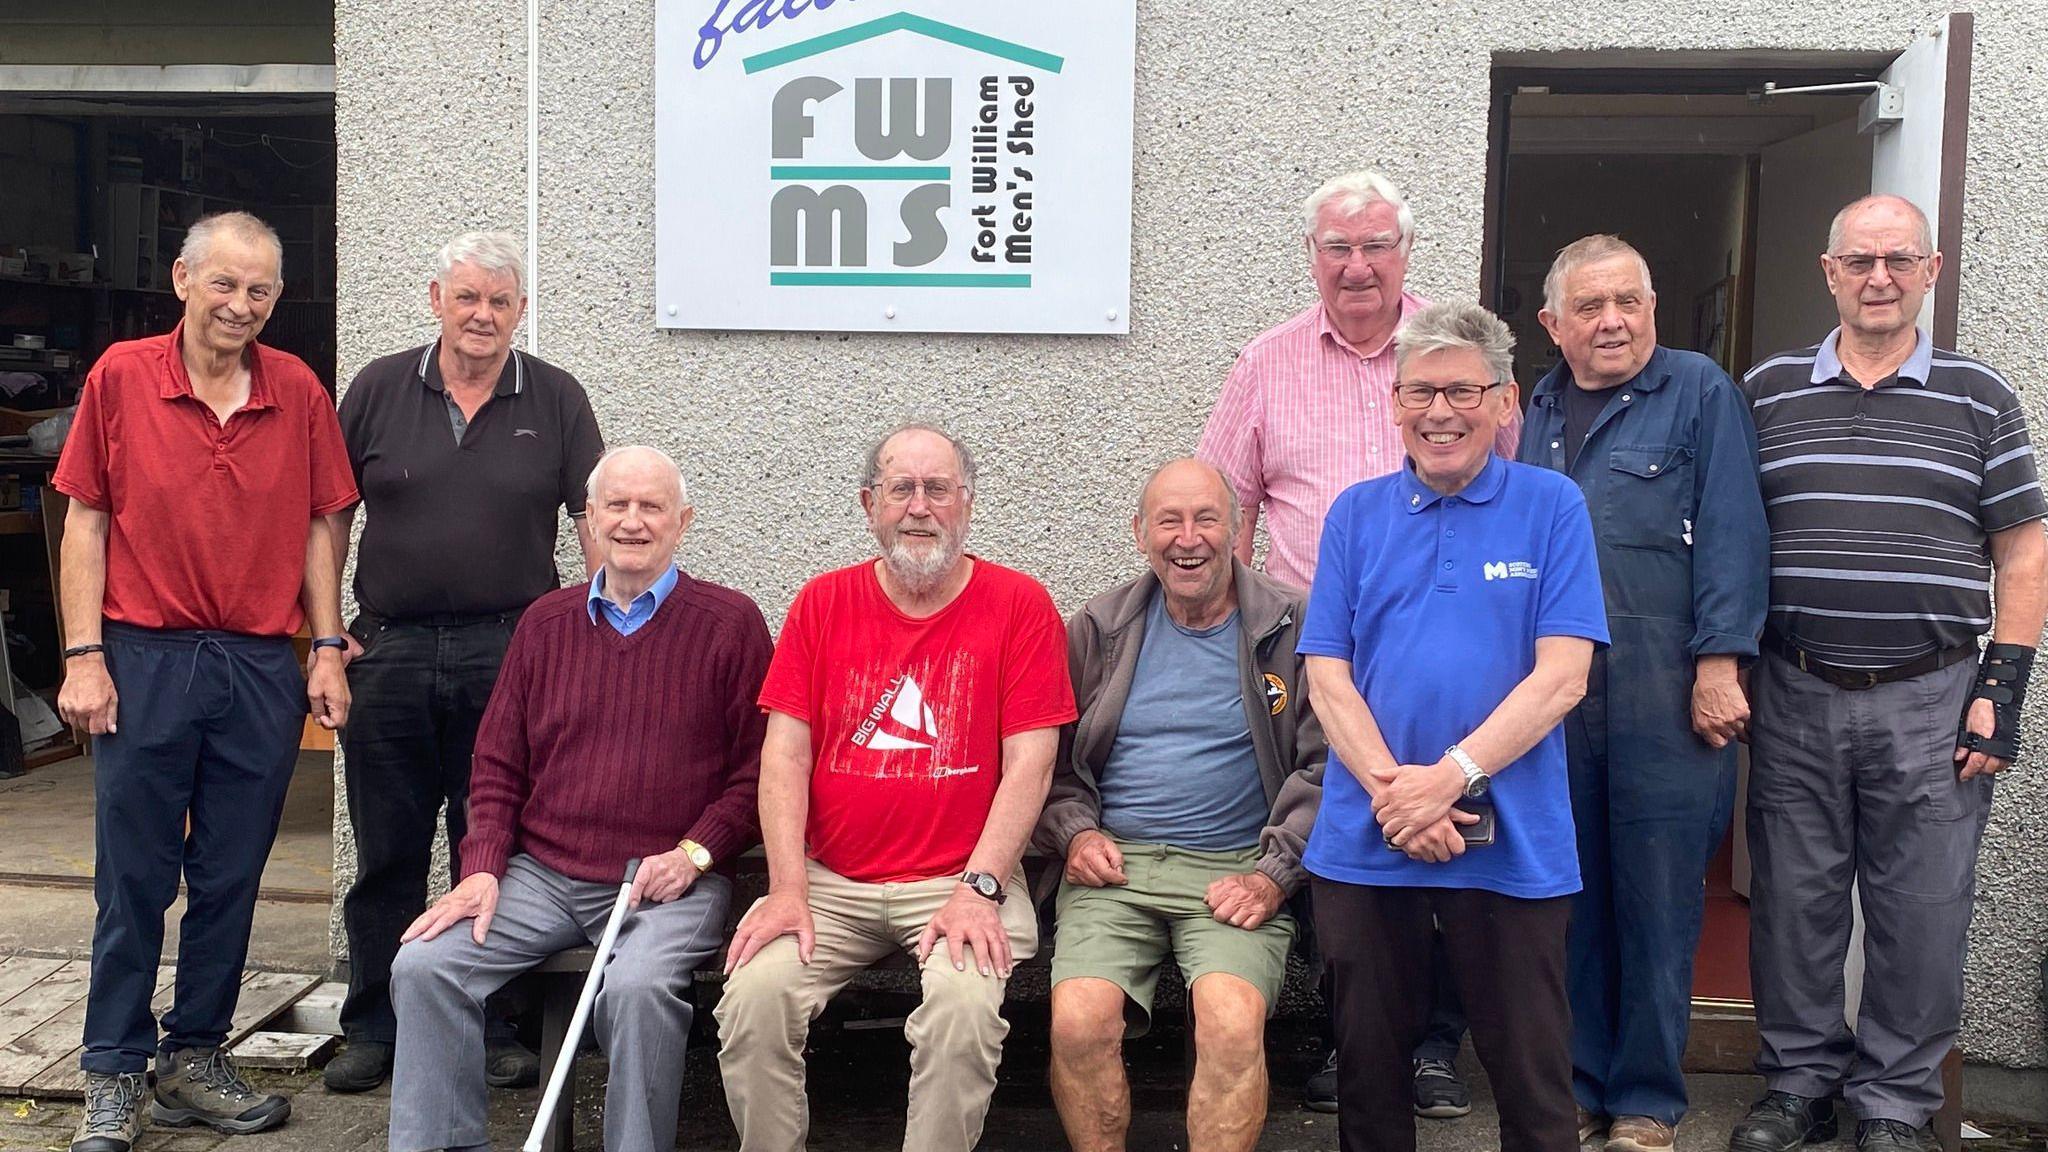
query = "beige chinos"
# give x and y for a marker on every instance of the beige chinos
(956, 1034)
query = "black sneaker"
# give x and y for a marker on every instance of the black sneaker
(362, 1065)
(1781, 1122)
(202, 1086)
(1892, 1134)
(113, 1112)
(1439, 1094)
(510, 1064)
(1319, 1091)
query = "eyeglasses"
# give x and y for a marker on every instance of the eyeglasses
(1859, 264)
(1374, 251)
(900, 490)
(1460, 396)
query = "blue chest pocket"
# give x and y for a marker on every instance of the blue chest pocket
(1646, 497)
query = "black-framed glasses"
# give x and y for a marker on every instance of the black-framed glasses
(1897, 263)
(1461, 396)
(900, 490)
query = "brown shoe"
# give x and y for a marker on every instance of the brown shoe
(1639, 1134)
(1591, 1124)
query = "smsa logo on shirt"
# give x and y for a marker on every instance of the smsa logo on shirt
(1510, 570)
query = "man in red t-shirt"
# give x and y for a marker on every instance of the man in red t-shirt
(198, 466)
(914, 706)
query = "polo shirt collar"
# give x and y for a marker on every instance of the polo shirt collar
(657, 594)
(511, 380)
(1417, 496)
(174, 381)
(1827, 360)
(1410, 305)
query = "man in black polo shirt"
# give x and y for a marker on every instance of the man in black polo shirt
(1901, 491)
(465, 451)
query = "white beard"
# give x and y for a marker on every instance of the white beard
(921, 571)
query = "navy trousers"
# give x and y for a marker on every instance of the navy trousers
(209, 726)
(1651, 803)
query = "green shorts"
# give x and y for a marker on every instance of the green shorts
(1124, 934)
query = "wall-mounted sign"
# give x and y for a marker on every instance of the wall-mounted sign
(882, 165)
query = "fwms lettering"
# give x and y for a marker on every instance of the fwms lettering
(1510, 570)
(832, 215)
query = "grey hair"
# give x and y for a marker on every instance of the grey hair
(590, 485)
(490, 251)
(873, 471)
(1443, 327)
(1581, 252)
(1840, 223)
(1229, 489)
(241, 225)
(1354, 191)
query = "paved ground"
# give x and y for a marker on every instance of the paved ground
(858, 1081)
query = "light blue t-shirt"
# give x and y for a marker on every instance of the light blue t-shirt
(1183, 770)
(1437, 602)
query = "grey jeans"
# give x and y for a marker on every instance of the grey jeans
(642, 1014)
(1860, 786)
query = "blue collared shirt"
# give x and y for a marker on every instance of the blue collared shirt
(1438, 601)
(629, 619)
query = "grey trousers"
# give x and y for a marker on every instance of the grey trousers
(1860, 786)
(642, 1014)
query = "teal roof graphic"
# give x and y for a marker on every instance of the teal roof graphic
(903, 22)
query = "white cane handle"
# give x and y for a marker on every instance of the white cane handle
(566, 1058)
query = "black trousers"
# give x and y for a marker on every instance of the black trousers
(1505, 955)
(418, 692)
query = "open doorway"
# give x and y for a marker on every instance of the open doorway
(101, 187)
(1726, 182)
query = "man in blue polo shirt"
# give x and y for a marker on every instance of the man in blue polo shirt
(1454, 614)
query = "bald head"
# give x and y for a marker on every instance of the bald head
(1884, 204)
(1183, 472)
(639, 458)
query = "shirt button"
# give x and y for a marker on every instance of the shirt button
(1625, 397)
(1449, 532)
(1653, 467)
(1414, 500)
(1447, 565)
(1555, 444)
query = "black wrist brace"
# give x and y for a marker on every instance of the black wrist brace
(2001, 679)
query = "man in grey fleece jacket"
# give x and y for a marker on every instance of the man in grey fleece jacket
(1181, 801)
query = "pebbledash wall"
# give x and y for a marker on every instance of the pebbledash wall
(1242, 107)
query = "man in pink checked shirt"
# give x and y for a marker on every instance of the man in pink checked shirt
(1308, 411)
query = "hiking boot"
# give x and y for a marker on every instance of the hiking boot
(361, 1066)
(1591, 1124)
(1781, 1122)
(1639, 1134)
(1439, 1094)
(201, 1086)
(1888, 1135)
(113, 1112)
(510, 1064)
(1319, 1091)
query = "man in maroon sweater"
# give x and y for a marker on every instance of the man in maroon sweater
(622, 726)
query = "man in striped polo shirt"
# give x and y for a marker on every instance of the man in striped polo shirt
(1900, 487)
(1307, 412)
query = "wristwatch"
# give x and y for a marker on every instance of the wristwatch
(985, 885)
(700, 856)
(1477, 783)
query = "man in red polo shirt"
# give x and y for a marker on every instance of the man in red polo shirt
(197, 466)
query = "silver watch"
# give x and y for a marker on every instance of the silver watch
(1477, 783)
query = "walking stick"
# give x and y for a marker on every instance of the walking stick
(566, 1058)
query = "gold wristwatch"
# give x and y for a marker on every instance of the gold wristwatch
(700, 856)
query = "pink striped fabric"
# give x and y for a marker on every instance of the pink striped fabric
(1303, 416)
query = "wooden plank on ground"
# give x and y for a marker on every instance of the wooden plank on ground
(29, 1008)
(283, 1051)
(58, 1044)
(65, 1080)
(45, 1047)
(18, 973)
(264, 995)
